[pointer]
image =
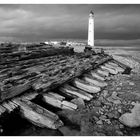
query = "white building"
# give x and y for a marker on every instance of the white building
(75, 44)
(91, 29)
(54, 42)
(47, 43)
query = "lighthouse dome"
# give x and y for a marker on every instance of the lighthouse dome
(91, 14)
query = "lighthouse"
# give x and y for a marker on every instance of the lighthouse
(91, 29)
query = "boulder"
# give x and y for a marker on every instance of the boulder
(114, 95)
(131, 83)
(99, 122)
(110, 99)
(97, 103)
(105, 93)
(118, 133)
(67, 131)
(131, 119)
(79, 102)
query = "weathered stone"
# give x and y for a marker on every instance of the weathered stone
(120, 110)
(124, 102)
(102, 117)
(131, 119)
(97, 103)
(133, 103)
(114, 95)
(108, 121)
(131, 83)
(101, 111)
(118, 88)
(117, 102)
(95, 118)
(121, 92)
(66, 131)
(121, 126)
(121, 84)
(96, 109)
(96, 133)
(105, 93)
(99, 122)
(110, 115)
(108, 104)
(116, 114)
(101, 134)
(108, 78)
(100, 98)
(113, 114)
(110, 99)
(118, 133)
(116, 126)
(79, 102)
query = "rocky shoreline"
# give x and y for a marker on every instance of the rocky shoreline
(114, 111)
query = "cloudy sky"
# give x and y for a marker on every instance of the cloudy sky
(42, 22)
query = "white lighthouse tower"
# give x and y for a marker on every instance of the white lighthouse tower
(91, 29)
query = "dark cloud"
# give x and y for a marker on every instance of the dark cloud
(37, 22)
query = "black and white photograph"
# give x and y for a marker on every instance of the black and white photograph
(69, 69)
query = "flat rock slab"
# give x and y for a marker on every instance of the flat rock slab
(131, 119)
